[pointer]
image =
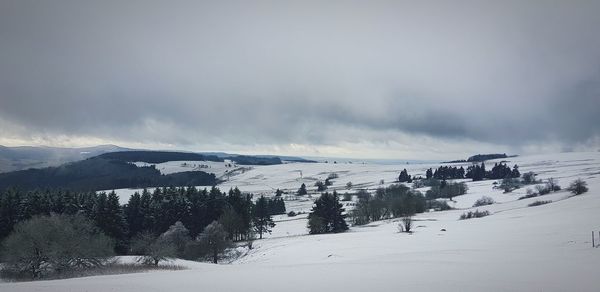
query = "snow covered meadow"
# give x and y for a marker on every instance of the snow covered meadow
(516, 248)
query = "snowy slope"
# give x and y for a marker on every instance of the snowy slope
(517, 248)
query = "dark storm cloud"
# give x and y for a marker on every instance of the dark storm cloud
(277, 72)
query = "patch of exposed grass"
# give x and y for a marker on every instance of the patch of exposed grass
(108, 269)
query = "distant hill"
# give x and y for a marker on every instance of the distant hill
(484, 157)
(100, 173)
(24, 157)
(481, 158)
(164, 156)
(158, 156)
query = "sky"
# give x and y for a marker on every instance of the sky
(363, 79)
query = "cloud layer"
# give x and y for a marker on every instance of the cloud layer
(353, 76)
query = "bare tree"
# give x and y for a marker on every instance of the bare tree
(152, 249)
(214, 239)
(55, 243)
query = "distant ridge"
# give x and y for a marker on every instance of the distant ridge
(100, 173)
(481, 158)
(26, 157)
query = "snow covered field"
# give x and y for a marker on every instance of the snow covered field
(516, 248)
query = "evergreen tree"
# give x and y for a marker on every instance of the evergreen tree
(146, 210)
(263, 222)
(429, 173)
(327, 215)
(133, 215)
(404, 176)
(242, 205)
(108, 216)
(302, 190)
(10, 211)
(278, 193)
(515, 171)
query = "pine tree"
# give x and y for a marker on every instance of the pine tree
(515, 172)
(146, 210)
(327, 215)
(10, 211)
(133, 215)
(263, 222)
(429, 174)
(108, 216)
(302, 190)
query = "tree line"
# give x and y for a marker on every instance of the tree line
(393, 201)
(152, 212)
(499, 171)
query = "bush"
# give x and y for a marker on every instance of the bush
(578, 187)
(537, 203)
(530, 194)
(406, 224)
(418, 183)
(552, 185)
(55, 244)
(509, 184)
(475, 214)
(291, 214)
(110, 268)
(542, 190)
(438, 205)
(529, 178)
(484, 201)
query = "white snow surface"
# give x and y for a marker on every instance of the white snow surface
(516, 248)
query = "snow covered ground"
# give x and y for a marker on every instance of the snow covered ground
(516, 248)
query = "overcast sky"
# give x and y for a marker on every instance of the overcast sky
(371, 79)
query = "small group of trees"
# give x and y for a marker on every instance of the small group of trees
(445, 190)
(404, 177)
(321, 186)
(391, 202)
(44, 245)
(499, 171)
(446, 172)
(176, 242)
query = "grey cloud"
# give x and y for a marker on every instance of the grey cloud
(272, 72)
